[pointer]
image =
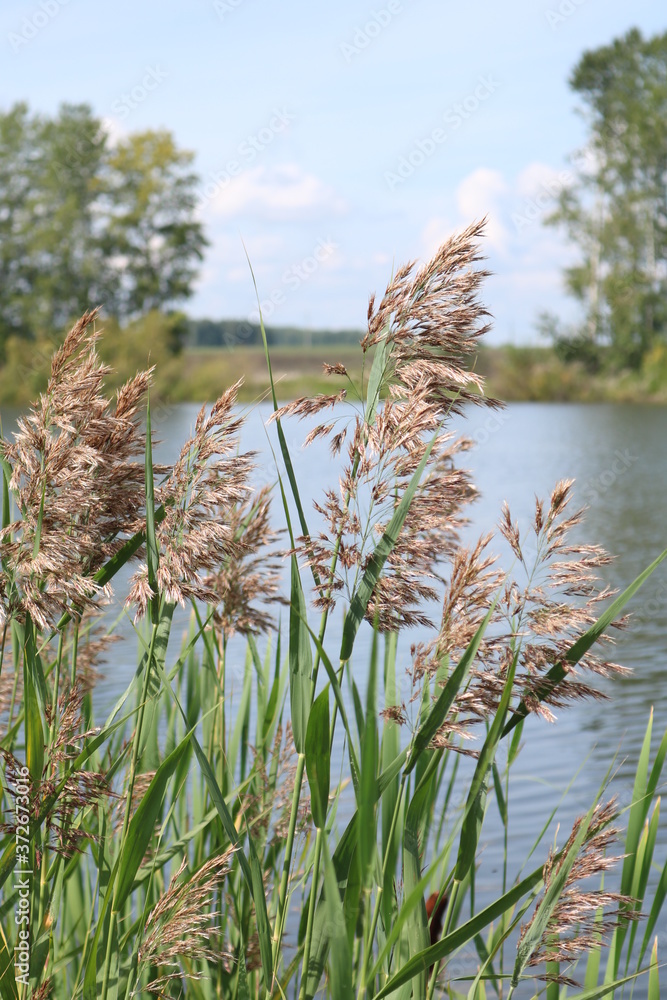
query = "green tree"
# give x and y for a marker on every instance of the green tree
(86, 222)
(17, 270)
(616, 210)
(151, 230)
(65, 240)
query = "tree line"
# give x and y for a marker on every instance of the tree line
(239, 332)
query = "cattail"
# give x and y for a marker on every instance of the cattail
(436, 906)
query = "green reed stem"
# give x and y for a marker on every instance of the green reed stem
(368, 948)
(311, 912)
(301, 762)
(448, 920)
(113, 917)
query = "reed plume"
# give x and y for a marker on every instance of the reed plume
(79, 490)
(574, 926)
(196, 536)
(423, 335)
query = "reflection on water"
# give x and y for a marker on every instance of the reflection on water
(618, 455)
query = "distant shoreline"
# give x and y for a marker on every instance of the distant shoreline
(198, 373)
(513, 374)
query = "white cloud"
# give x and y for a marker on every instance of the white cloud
(435, 232)
(481, 194)
(526, 259)
(535, 177)
(114, 129)
(282, 192)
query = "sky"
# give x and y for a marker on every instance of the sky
(337, 141)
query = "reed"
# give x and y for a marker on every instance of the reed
(190, 844)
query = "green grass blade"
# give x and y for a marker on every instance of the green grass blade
(8, 989)
(228, 824)
(642, 870)
(411, 900)
(33, 706)
(638, 813)
(142, 824)
(560, 872)
(656, 908)
(476, 800)
(638, 810)
(653, 976)
(124, 554)
(338, 695)
(603, 991)
(413, 840)
(656, 770)
(300, 661)
(261, 915)
(287, 458)
(390, 746)
(342, 861)
(368, 789)
(340, 965)
(595, 954)
(318, 758)
(500, 795)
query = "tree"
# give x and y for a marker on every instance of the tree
(84, 221)
(71, 272)
(151, 226)
(616, 210)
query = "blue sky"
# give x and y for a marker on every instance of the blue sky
(338, 140)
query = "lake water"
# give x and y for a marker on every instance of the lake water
(618, 455)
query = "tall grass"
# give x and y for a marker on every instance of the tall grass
(196, 845)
